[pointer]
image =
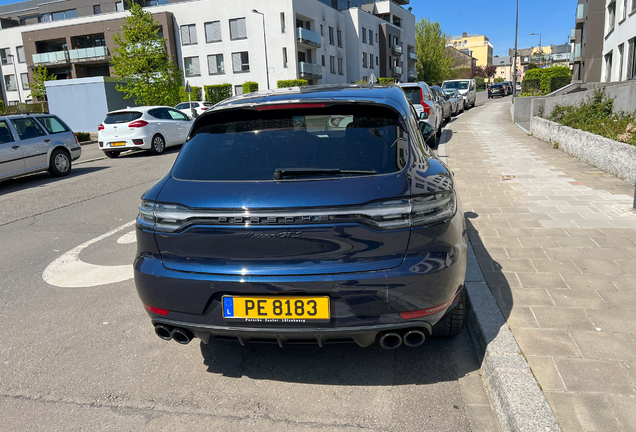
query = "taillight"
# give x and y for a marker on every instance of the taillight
(100, 127)
(156, 310)
(403, 213)
(75, 136)
(203, 109)
(427, 108)
(138, 124)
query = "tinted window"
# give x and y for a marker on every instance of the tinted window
(28, 128)
(461, 85)
(252, 148)
(5, 133)
(53, 125)
(160, 113)
(122, 117)
(183, 106)
(176, 115)
(413, 94)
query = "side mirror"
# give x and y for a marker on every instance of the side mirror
(423, 116)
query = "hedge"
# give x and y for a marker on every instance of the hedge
(291, 83)
(384, 80)
(1, 107)
(531, 85)
(557, 82)
(218, 92)
(250, 86)
(543, 75)
(38, 107)
(83, 136)
(195, 95)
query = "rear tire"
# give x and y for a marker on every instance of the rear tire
(112, 154)
(60, 163)
(158, 145)
(453, 323)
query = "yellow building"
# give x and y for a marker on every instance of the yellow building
(480, 46)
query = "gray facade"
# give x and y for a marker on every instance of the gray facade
(587, 41)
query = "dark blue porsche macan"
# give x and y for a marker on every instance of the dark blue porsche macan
(304, 215)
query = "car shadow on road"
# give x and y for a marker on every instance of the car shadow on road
(145, 153)
(43, 179)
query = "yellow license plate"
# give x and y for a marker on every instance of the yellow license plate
(118, 143)
(276, 309)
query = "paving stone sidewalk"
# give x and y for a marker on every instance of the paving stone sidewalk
(557, 246)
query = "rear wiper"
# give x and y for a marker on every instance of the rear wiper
(280, 173)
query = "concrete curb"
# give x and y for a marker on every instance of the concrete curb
(514, 392)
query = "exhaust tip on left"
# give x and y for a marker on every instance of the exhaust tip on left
(391, 340)
(163, 332)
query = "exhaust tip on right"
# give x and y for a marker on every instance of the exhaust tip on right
(391, 340)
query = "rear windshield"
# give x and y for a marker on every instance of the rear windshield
(413, 94)
(122, 117)
(351, 137)
(460, 85)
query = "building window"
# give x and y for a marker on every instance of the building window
(282, 22)
(371, 60)
(364, 60)
(238, 29)
(240, 62)
(323, 60)
(611, 16)
(24, 77)
(370, 37)
(238, 89)
(620, 62)
(189, 34)
(57, 16)
(631, 58)
(364, 35)
(322, 31)
(332, 64)
(192, 66)
(119, 6)
(97, 9)
(608, 67)
(340, 72)
(339, 34)
(624, 10)
(9, 83)
(21, 56)
(4, 56)
(216, 65)
(213, 31)
(284, 57)
(365, 78)
(377, 40)
(377, 61)
(331, 36)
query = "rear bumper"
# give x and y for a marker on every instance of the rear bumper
(129, 144)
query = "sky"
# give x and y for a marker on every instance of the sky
(496, 19)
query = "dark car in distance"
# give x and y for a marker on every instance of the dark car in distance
(305, 215)
(496, 90)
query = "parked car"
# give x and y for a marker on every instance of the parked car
(508, 86)
(457, 101)
(518, 87)
(424, 100)
(35, 143)
(151, 128)
(466, 87)
(444, 101)
(496, 90)
(194, 109)
(307, 216)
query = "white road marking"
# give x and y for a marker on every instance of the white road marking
(127, 238)
(69, 271)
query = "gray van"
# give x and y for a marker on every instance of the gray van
(34, 143)
(465, 87)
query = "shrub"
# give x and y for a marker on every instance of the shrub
(460, 73)
(38, 107)
(83, 136)
(480, 82)
(544, 75)
(557, 82)
(218, 92)
(532, 66)
(196, 94)
(384, 80)
(1, 107)
(531, 86)
(291, 83)
(250, 86)
(499, 80)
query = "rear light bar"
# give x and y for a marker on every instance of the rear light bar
(138, 123)
(290, 106)
(75, 136)
(156, 310)
(138, 142)
(385, 215)
(427, 108)
(100, 127)
(428, 311)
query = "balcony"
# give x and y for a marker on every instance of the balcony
(51, 58)
(412, 76)
(397, 50)
(307, 37)
(580, 14)
(577, 51)
(89, 54)
(572, 35)
(309, 70)
(397, 71)
(411, 55)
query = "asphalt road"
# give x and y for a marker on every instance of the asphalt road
(78, 351)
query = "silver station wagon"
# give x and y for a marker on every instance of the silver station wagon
(34, 143)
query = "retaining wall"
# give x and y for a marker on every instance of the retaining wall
(608, 155)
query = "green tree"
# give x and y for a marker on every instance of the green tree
(37, 87)
(433, 63)
(532, 66)
(141, 59)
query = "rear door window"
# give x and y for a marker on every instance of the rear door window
(28, 128)
(53, 125)
(5, 133)
(160, 113)
(345, 137)
(122, 117)
(413, 94)
(176, 115)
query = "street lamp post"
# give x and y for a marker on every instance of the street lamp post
(265, 43)
(514, 68)
(15, 71)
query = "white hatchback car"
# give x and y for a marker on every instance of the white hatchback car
(198, 106)
(151, 128)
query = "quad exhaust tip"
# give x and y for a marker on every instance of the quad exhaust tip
(181, 336)
(414, 338)
(163, 332)
(391, 340)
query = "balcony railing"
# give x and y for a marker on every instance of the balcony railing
(309, 70)
(89, 54)
(577, 50)
(412, 75)
(308, 37)
(397, 71)
(56, 57)
(412, 55)
(579, 11)
(573, 34)
(397, 50)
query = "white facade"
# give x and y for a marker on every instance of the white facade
(619, 46)
(10, 41)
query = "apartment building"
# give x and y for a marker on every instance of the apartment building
(619, 44)
(479, 44)
(587, 41)
(214, 41)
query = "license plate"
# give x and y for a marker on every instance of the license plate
(276, 309)
(118, 143)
